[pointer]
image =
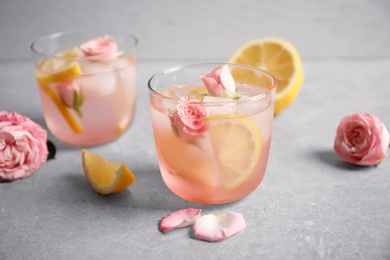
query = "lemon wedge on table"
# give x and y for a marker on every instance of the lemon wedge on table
(237, 143)
(105, 176)
(278, 57)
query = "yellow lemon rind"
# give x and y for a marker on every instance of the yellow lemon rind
(68, 117)
(288, 95)
(254, 130)
(124, 177)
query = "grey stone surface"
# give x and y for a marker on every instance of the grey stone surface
(310, 204)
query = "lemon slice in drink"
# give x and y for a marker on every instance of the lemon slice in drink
(237, 144)
(277, 56)
(199, 93)
(52, 70)
(59, 68)
(105, 176)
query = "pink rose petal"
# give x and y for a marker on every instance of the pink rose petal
(180, 218)
(218, 227)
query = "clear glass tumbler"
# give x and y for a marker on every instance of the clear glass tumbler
(212, 150)
(87, 84)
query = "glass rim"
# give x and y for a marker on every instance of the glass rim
(216, 64)
(58, 34)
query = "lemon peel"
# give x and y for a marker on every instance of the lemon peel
(105, 176)
(280, 58)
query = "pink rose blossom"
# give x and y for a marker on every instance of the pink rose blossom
(218, 227)
(70, 94)
(219, 82)
(361, 139)
(104, 48)
(23, 146)
(189, 119)
(178, 219)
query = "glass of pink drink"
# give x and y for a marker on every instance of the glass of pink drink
(212, 148)
(87, 84)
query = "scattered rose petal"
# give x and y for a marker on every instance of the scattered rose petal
(218, 227)
(180, 218)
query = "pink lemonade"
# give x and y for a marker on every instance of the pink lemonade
(87, 84)
(228, 161)
(108, 91)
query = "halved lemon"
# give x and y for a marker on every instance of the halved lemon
(237, 144)
(278, 57)
(105, 176)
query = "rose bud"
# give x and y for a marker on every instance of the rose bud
(219, 82)
(190, 118)
(361, 139)
(70, 94)
(103, 48)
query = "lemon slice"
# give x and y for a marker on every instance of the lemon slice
(72, 122)
(59, 68)
(199, 93)
(237, 144)
(105, 176)
(51, 70)
(278, 57)
(122, 124)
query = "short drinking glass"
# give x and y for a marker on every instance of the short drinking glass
(212, 149)
(87, 84)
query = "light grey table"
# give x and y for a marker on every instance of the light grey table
(310, 204)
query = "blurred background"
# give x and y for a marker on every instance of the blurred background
(206, 30)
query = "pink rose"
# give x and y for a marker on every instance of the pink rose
(189, 119)
(23, 146)
(361, 139)
(70, 94)
(104, 48)
(219, 82)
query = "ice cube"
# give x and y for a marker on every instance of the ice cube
(170, 91)
(125, 66)
(223, 108)
(98, 85)
(250, 107)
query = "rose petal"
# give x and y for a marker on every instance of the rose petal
(227, 79)
(180, 218)
(218, 227)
